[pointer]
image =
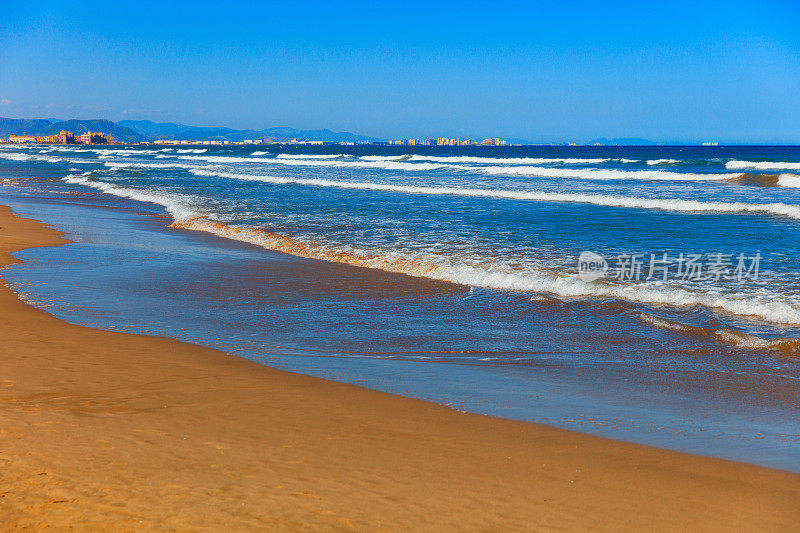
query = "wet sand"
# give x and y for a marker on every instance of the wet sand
(103, 430)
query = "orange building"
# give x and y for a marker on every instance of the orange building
(92, 138)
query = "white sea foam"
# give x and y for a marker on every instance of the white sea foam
(762, 165)
(177, 206)
(789, 180)
(417, 165)
(386, 165)
(309, 156)
(143, 164)
(482, 272)
(16, 156)
(598, 174)
(664, 323)
(123, 152)
(663, 161)
(490, 160)
(192, 150)
(661, 204)
(475, 272)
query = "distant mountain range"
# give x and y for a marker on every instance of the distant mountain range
(41, 126)
(146, 130)
(181, 132)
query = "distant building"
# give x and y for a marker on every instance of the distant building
(64, 137)
(23, 139)
(92, 138)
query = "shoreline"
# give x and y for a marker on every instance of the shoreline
(103, 428)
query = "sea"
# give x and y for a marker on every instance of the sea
(646, 294)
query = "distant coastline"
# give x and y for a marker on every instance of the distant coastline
(44, 131)
(101, 131)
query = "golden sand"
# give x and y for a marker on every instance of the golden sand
(102, 430)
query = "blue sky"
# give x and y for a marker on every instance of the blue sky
(669, 71)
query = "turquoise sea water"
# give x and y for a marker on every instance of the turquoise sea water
(453, 275)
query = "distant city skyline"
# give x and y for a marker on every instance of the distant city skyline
(680, 72)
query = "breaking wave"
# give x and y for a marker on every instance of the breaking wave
(30, 157)
(663, 161)
(768, 180)
(789, 180)
(308, 156)
(599, 174)
(133, 165)
(327, 162)
(782, 346)
(489, 160)
(661, 204)
(476, 271)
(497, 275)
(762, 165)
(414, 164)
(176, 205)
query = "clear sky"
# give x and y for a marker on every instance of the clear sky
(544, 71)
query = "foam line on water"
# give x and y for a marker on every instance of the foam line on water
(496, 275)
(605, 200)
(177, 206)
(789, 180)
(489, 160)
(477, 272)
(598, 174)
(385, 165)
(762, 165)
(133, 165)
(499, 170)
(308, 156)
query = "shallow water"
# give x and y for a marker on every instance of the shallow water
(522, 336)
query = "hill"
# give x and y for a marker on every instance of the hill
(171, 130)
(22, 126)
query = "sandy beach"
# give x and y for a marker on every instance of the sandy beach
(102, 430)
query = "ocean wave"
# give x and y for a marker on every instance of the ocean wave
(310, 156)
(123, 152)
(661, 204)
(16, 156)
(177, 206)
(496, 275)
(133, 165)
(782, 346)
(416, 165)
(192, 150)
(789, 180)
(598, 174)
(762, 165)
(663, 161)
(490, 160)
(476, 272)
(385, 165)
(768, 180)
